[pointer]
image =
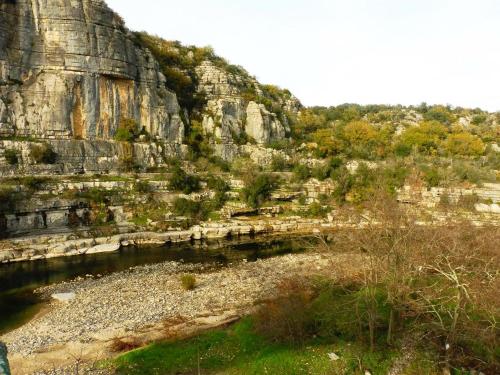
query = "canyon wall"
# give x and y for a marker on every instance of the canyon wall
(69, 69)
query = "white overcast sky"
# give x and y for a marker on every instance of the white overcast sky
(329, 52)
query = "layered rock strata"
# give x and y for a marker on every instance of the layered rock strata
(69, 69)
(231, 111)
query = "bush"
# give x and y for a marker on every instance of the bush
(432, 176)
(279, 164)
(11, 156)
(181, 181)
(127, 130)
(301, 173)
(279, 144)
(188, 282)
(143, 187)
(468, 202)
(197, 211)
(217, 184)
(288, 318)
(258, 189)
(223, 165)
(402, 150)
(34, 183)
(472, 173)
(317, 210)
(465, 144)
(121, 345)
(8, 198)
(220, 187)
(43, 154)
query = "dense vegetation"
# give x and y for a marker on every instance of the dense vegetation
(378, 132)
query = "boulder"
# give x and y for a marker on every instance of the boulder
(105, 248)
(63, 297)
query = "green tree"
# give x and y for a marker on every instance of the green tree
(258, 189)
(181, 181)
(440, 113)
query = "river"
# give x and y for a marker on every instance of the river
(18, 281)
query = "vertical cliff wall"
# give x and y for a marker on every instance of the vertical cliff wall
(70, 70)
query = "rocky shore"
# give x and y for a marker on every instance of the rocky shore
(146, 302)
(61, 245)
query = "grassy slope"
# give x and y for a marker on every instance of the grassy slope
(239, 350)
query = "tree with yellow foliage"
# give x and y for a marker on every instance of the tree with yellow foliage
(465, 144)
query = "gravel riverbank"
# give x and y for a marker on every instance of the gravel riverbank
(123, 303)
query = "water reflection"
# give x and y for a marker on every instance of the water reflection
(18, 280)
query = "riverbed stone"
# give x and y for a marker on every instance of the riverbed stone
(105, 248)
(63, 297)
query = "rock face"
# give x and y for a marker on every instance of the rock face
(71, 74)
(231, 109)
(70, 70)
(264, 126)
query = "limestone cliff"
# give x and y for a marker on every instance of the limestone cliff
(71, 75)
(236, 105)
(232, 106)
(70, 70)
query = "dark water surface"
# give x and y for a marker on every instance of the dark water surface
(18, 303)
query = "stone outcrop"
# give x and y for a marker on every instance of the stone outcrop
(85, 156)
(231, 109)
(264, 126)
(65, 245)
(69, 69)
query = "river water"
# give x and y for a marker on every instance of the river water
(19, 303)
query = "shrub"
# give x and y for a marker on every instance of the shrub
(43, 154)
(8, 198)
(279, 164)
(432, 176)
(258, 189)
(279, 144)
(441, 114)
(11, 156)
(217, 184)
(191, 209)
(220, 187)
(402, 150)
(330, 169)
(301, 173)
(426, 137)
(199, 145)
(361, 138)
(244, 166)
(317, 210)
(34, 183)
(127, 130)
(143, 187)
(465, 144)
(188, 282)
(287, 318)
(181, 181)
(472, 173)
(119, 345)
(223, 165)
(468, 202)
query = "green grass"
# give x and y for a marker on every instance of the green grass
(239, 350)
